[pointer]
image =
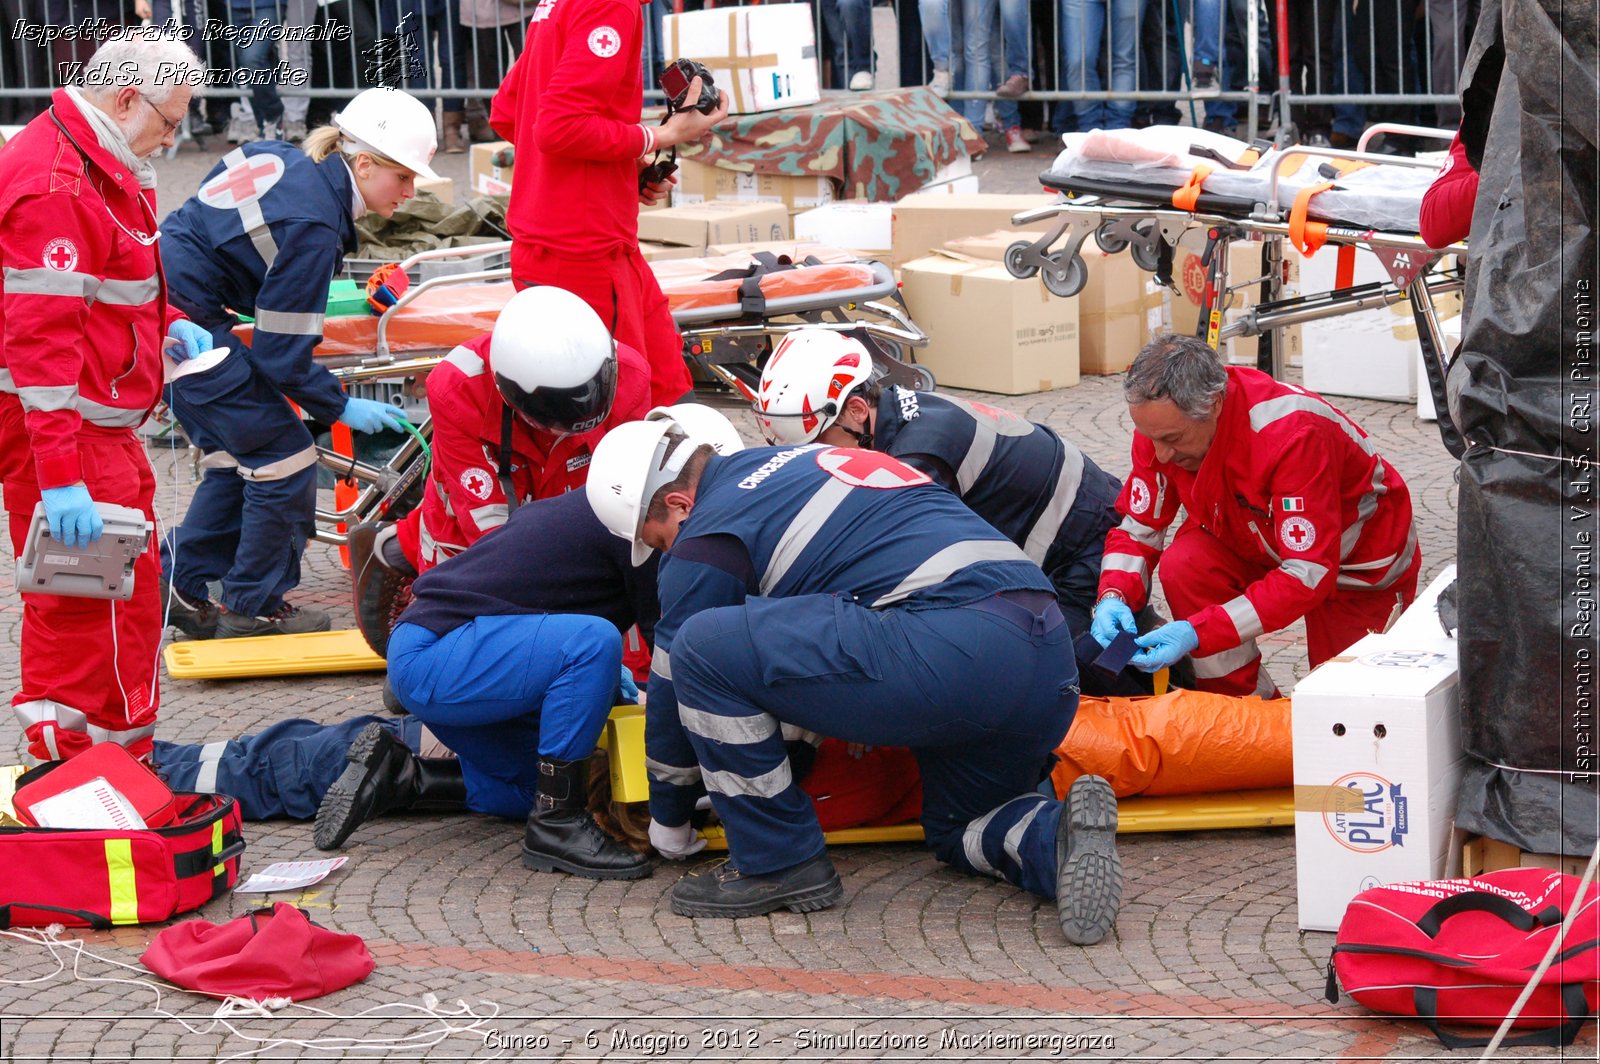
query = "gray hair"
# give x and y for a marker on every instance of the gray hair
(1182, 369)
(152, 61)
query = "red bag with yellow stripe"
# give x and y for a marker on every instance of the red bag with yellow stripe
(94, 878)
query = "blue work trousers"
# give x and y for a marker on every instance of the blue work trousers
(281, 771)
(503, 692)
(248, 532)
(981, 694)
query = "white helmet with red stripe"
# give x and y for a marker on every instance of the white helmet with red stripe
(806, 382)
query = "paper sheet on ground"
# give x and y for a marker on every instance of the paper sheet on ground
(289, 875)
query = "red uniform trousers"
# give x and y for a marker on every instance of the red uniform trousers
(622, 289)
(1199, 570)
(88, 665)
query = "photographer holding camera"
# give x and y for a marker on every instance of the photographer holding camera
(571, 105)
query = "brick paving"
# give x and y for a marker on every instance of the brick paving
(915, 963)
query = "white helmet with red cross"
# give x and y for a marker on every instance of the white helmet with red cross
(806, 382)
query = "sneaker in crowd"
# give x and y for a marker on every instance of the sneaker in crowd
(1203, 81)
(195, 618)
(272, 131)
(1318, 140)
(940, 83)
(241, 130)
(1015, 141)
(861, 81)
(285, 620)
(1012, 87)
(294, 131)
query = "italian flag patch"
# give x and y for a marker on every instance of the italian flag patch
(1292, 504)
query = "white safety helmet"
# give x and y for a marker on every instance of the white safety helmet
(806, 382)
(393, 124)
(637, 459)
(554, 362)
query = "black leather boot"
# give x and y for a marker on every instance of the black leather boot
(563, 837)
(384, 776)
(380, 582)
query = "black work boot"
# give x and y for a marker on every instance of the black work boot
(723, 890)
(384, 776)
(197, 620)
(563, 837)
(285, 620)
(1088, 870)
(381, 586)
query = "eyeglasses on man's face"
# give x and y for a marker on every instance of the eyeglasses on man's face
(172, 127)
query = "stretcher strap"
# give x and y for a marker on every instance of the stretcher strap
(1185, 197)
(1306, 236)
(1344, 267)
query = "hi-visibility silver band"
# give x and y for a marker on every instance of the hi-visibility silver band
(949, 561)
(678, 775)
(1226, 662)
(283, 467)
(740, 730)
(289, 324)
(1044, 530)
(766, 785)
(802, 530)
(205, 781)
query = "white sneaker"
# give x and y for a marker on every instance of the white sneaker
(294, 131)
(940, 83)
(271, 131)
(241, 130)
(861, 81)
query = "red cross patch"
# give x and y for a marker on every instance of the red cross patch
(60, 254)
(870, 469)
(478, 483)
(605, 42)
(1297, 534)
(242, 183)
(1138, 495)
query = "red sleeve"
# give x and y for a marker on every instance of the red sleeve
(503, 108)
(1447, 205)
(1148, 505)
(633, 387)
(600, 41)
(463, 467)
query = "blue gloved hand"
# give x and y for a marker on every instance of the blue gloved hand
(186, 340)
(1165, 646)
(1111, 615)
(74, 522)
(630, 690)
(367, 415)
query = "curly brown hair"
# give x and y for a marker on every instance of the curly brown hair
(627, 822)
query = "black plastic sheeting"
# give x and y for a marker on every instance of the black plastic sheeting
(1522, 391)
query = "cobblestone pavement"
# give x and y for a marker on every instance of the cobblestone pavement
(915, 963)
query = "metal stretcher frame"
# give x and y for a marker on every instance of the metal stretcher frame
(879, 312)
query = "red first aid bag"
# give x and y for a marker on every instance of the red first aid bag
(99, 878)
(145, 792)
(1461, 951)
(268, 953)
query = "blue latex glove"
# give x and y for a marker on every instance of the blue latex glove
(74, 522)
(186, 340)
(1111, 615)
(630, 690)
(1165, 646)
(366, 415)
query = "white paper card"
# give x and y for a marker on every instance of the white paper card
(289, 875)
(205, 362)
(94, 805)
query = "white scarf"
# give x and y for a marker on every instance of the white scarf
(112, 139)
(358, 206)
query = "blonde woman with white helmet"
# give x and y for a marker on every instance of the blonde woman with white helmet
(264, 236)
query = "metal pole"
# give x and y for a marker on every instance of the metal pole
(1283, 73)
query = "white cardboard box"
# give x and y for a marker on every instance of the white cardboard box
(1377, 763)
(762, 58)
(858, 226)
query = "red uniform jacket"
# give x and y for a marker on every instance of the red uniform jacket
(464, 499)
(1290, 483)
(83, 304)
(1447, 205)
(571, 105)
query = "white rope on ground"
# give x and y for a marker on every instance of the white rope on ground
(1550, 954)
(448, 1019)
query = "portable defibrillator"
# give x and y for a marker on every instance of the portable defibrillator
(103, 569)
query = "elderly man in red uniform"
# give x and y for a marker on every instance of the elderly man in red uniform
(1291, 513)
(83, 321)
(570, 104)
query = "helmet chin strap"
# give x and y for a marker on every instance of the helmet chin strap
(863, 437)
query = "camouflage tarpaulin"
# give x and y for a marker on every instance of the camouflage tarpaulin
(426, 222)
(877, 146)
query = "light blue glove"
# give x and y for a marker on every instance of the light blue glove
(1165, 646)
(630, 690)
(1111, 615)
(74, 522)
(366, 415)
(186, 340)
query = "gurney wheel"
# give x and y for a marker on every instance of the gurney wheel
(1017, 260)
(1147, 252)
(1066, 279)
(1111, 245)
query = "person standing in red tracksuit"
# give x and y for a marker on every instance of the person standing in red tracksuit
(1291, 513)
(83, 321)
(571, 105)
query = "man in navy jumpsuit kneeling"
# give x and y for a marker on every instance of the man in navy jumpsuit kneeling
(841, 591)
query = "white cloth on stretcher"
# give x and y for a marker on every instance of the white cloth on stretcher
(1387, 198)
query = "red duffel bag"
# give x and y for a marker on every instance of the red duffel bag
(1462, 950)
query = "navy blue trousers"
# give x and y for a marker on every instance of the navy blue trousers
(982, 696)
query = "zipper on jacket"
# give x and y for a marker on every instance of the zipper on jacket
(133, 366)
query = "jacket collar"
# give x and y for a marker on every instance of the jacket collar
(341, 186)
(77, 128)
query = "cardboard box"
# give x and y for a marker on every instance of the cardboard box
(1377, 763)
(1113, 307)
(443, 187)
(762, 58)
(653, 251)
(926, 221)
(864, 227)
(795, 249)
(715, 222)
(1482, 854)
(988, 330)
(1182, 308)
(485, 178)
(698, 182)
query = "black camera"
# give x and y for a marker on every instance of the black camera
(674, 81)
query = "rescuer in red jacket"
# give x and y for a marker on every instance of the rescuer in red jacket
(1447, 205)
(83, 321)
(1291, 513)
(571, 105)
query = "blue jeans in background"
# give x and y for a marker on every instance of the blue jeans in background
(261, 53)
(936, 31)
(849, 24)
(1207, 31)
(1083, 24)
(977, 49)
